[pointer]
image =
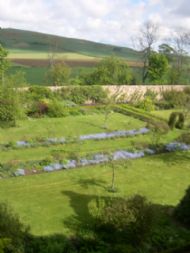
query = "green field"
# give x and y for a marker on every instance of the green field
(48, 202)
(30, 52)
(25, 40)
(68, 126)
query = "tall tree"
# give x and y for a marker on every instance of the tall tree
(158, 66)
(180, 43)
(59, 73)
(110, 70)
(4, 63)
(148, 36)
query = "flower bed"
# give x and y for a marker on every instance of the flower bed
(95, 159)
(62, 140)
(115, 134)
(177, 146)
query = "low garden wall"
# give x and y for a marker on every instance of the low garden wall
(130, 90)
(127, 91)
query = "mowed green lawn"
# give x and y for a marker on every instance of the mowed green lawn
(48, 202)
(84, 148)
(71, 126)
(165, 114)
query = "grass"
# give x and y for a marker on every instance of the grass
(68, 126)
(38, 75)
(84, 148)
(48, 202)
(31, 54)
(165, 114)
(33, 75)
(32, 41)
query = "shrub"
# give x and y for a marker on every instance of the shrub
(39, 92)
(176, 120)
(173, 98)
(11, 229)
(59, 73)
(129, 220)
(182, 211)
(185, 138)
(172, 120)
(146, 104)
(75, 94)
(8, 107)
(181, 121)
(81, 94)
(95, 93)
(110, 70)
(38, 108)
(56, 109)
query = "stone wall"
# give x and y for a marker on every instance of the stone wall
(128, 91)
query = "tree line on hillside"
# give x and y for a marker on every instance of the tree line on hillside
(168, 64)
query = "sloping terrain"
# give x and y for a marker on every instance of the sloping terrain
(34, 41)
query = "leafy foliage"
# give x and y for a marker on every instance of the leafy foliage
(12, 232)
(182, 211)
(158, 66)
(59, 73)
(146, 104)
(81, 94)
(176, 120)
(109, 71)
(173, 99)
(130, 221)
(8, 107)
(4, 63)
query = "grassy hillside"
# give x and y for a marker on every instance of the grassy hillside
(40, 42)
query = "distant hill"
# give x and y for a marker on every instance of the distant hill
(35, 41)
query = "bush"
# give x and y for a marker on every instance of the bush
(185, 138)
(146, 104)
(110, 70)
(75, 94)
(53, 109)
(172, 120)
(56, 109)
(39, 92)
(11, 231)
(177, 120)
(81, 94)
(181, 121)
(38, 108)
(130, 221)
(95, 93)
(8, 107)
(173, 99)
(182, 211)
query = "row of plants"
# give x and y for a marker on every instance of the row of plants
(136, 225)
(153, 122)
(68, 161)
(63, 140)
(74, 160)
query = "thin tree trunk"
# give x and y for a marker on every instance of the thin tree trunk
(113, 178)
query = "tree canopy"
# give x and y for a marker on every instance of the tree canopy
(110, 70)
